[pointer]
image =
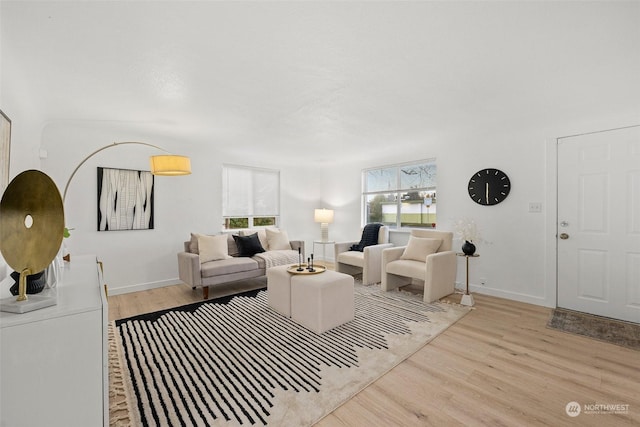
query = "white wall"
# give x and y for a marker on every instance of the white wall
(144, 259)
(512, 256)
(517, 255)
(516, 258)
(25, 133)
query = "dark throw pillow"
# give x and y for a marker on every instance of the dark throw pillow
(248, 245)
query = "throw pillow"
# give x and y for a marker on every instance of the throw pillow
(213, 248)
(278, 240)
(232, 246)
(248, 245)
(262, 236)
(419, 247)
(193, 244)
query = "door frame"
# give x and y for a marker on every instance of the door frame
(551, 218)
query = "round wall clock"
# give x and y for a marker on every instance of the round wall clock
(489, 187)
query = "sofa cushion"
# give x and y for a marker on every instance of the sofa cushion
(248, 245)
(278, 240)
(192, 245)
(213, 248)
(352, 258)
(227, 266)
(274, 258)
(419, 247)
(407, 268)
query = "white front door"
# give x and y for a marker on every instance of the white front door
(598, 229)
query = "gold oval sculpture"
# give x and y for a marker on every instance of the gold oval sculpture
(31, 224)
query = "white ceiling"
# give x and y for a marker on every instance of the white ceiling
(359, 78)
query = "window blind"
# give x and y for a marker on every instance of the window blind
(250, 191)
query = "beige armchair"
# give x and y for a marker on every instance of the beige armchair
(427, 258)
(368, 262)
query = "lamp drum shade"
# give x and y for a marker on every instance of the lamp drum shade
(170, 165)
(323, 216)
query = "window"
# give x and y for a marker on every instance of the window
(401, 195)
(250, 197)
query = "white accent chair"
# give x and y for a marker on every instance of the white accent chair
(427, 258)
(368, 262)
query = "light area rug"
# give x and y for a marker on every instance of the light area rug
(234, 361)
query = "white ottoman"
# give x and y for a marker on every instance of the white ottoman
(279, 289)
(320, 302)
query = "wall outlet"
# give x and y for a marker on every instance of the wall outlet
(483, 281)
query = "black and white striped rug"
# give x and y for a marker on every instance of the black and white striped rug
(234, 361)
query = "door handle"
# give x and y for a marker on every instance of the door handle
(564, 236)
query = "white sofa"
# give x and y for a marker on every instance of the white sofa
(230, 266)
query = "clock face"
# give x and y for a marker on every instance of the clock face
(489, 187)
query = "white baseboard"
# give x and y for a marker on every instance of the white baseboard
(142, 286)
(483, 290)
(514, 296)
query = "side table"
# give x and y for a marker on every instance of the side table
(467, 298)
(324, 247)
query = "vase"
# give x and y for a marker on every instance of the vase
(468, 248)
(35, 283)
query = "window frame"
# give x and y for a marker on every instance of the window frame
(397, 191)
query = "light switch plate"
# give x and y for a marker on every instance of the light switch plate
(535, 207)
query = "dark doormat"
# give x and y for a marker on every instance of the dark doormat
(617, 332)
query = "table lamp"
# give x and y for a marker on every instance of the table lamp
(324, 217)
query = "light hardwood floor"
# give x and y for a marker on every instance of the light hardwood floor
(498, 366)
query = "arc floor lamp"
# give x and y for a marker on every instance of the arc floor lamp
(162, 165)
(32, 221)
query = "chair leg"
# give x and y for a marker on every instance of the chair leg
(348, 269)
(205, 292)
(392, 281)
(433, 291)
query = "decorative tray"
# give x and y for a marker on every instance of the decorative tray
(316, 269)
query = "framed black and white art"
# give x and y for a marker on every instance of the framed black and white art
(125, 199)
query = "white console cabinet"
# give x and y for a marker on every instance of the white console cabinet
(54, 361)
